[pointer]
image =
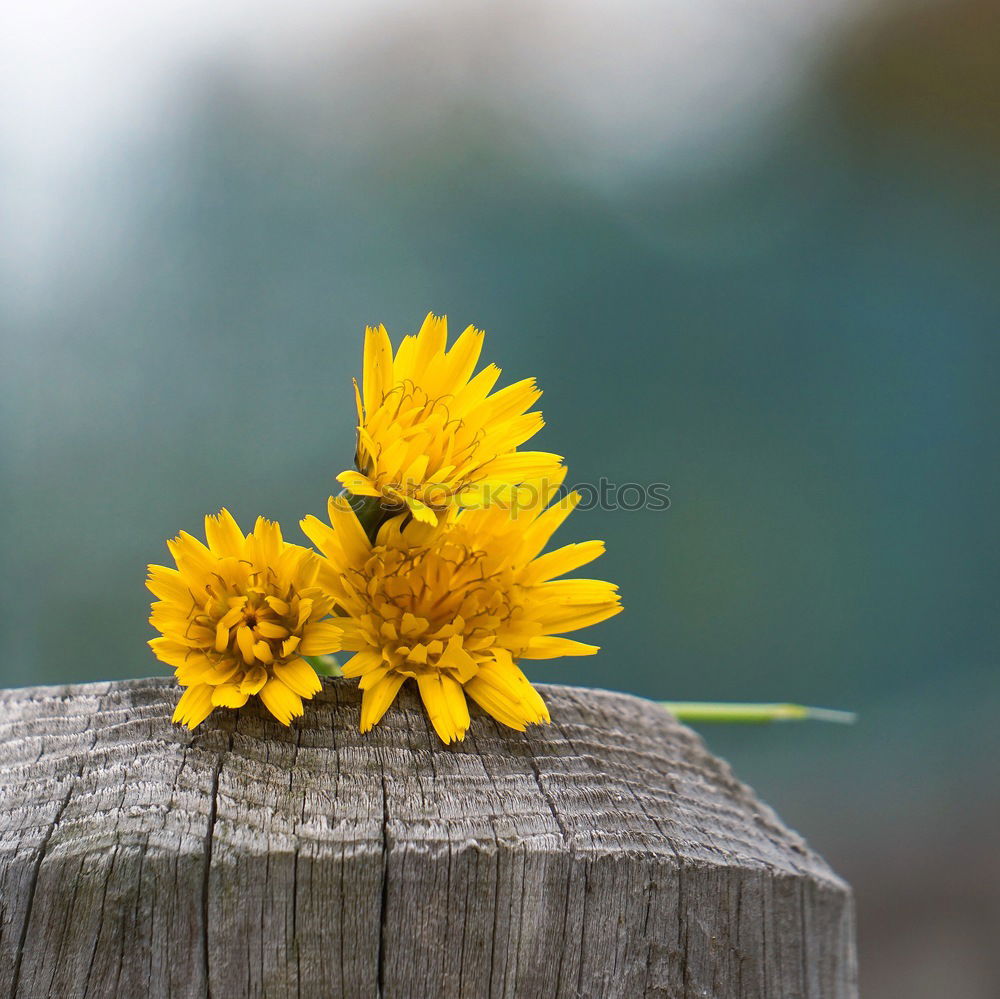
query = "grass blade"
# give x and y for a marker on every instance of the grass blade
(753, 714)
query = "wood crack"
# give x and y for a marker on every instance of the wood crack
(43, 849)
(384, 907)
(606, 855)
(213, 812)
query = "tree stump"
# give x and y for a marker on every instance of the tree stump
(606, 855)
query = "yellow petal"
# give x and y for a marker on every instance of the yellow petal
(506, 680)
(282, 702)
(375, 676)
(170, 651)
(571, 618)
(472, 395)
(377, 377)
(446, 706)
(194, 706)
(358, 404)
(264, 545)
(455, 657)
(431, 341)
(221, 636)
(458, 707)
(510, 401)
(198, 669)
(320, 638)
(228, 695)
(224, 535)
(233, 614)
(537, 535)
(221, 672)
(271, 629)
(299, 676)
(358, 484)
(361, 663)
(501, 708)
(553, 648)
(350, 533)
(253, 680)
(561, 561)
(168, 584)
(195, 562)
(375, 700)
(421, 511)
(571, 592)
(278, 605)
(244, 639)
(305, 610)
(402, 363)
(464, 356)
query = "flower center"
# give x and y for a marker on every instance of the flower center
(434, 608)
(431, 455)
(252, 628)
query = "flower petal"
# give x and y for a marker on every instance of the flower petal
(282, 702)
(446, 706)
(299, 676)
(194, 706)
(320, 638)
(375, 700)
(229, 695)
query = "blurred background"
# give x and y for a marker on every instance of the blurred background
(751, 250)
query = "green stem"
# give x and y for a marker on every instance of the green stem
(753, 714)
(372, 512)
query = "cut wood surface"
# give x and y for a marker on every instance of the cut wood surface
(606, 855)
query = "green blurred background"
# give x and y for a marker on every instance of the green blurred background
(752, 252)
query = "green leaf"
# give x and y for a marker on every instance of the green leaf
(372, 512)
(325, 665)
(753, 714)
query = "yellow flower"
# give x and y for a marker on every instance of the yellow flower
(455, 605)
(430, 434)
(236, 617)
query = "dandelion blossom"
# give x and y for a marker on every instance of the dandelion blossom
(456, 605)
(430, 434)
(236, 617)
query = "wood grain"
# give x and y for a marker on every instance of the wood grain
(607, 855)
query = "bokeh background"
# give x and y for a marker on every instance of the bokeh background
(751, 250)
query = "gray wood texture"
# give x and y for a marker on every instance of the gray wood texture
(607, 855)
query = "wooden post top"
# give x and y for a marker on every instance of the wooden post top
(607, 854)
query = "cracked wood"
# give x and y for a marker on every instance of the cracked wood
(607, 855)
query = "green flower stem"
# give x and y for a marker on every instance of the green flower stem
(753, 714)
(372, 512)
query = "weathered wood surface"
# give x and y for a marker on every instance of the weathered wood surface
(607, 855)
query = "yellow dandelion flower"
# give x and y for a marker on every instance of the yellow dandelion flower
(455, 605)
(236, 617)
(430, 434)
